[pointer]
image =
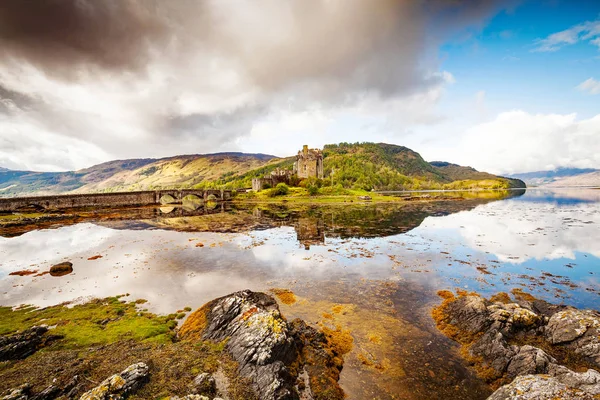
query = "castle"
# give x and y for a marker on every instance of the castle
(309, 163)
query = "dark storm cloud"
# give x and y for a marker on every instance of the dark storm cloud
(116, 74)
(59, 36)
(12, 102)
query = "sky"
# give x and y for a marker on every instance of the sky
(503, 86)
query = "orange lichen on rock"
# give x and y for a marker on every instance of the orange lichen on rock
(339, 339)
(94, 257)
(445, 294)
(443, 319)
(194, 325)
(286, 296)
(249, 313)
(374, 338)
(501, 297)
(199, 244)
(482, 369)
(521, 295)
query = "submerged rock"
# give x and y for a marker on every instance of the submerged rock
(24, 344)
(511, 340)
(61, 269)
(118, 386)
(270, 351)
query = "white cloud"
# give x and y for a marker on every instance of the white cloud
(591, 86)
(200, 77)
(517, 141)
(516, 239)
(586, 31)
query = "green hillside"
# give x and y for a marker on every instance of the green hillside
(363, 166)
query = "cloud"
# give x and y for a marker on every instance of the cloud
(517, 141)
(515, 239)
(145, 78)
(586, 31)
(591, 86)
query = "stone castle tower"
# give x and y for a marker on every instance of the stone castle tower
(309, 163)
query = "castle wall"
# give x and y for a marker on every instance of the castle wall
(309, 163)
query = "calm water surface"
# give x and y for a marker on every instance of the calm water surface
(370, 269)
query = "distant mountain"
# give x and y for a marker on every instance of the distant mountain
(367, 166)
(555, 177)
(588, 179)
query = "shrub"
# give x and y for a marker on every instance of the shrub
(312, 190)
(282, 189)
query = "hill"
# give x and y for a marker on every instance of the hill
(543, 178)
(130, 175)
(363, 166)
(382, 166)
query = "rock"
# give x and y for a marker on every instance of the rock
(570, 324)
(24, 344)
(50, 393)
(20, 393)
(470, 313)
(270, 351)
(61, 269)
(259, 339)
(538, 387)
(204, 384)
(118, 386)
(366, 198)
(487, 328)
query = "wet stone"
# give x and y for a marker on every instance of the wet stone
(61, 269)
(118, 386)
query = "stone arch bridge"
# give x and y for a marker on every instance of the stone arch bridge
(116, 199)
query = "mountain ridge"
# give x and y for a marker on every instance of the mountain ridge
(560, 177)
(364, 166)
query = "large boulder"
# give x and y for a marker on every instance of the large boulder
(270, 350)
(571, 324)
(118, 386)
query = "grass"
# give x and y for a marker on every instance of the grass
(301, 195)
(103, 337)
(101, 321)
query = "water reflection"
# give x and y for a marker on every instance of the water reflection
(310, 231)
(383, 263)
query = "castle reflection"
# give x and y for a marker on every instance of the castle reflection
(310, 231)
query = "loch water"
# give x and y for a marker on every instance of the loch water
(372, 270)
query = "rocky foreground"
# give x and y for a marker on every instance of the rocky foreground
(528, 348)
(274, 359)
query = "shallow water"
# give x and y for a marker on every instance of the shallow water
(381, 263)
